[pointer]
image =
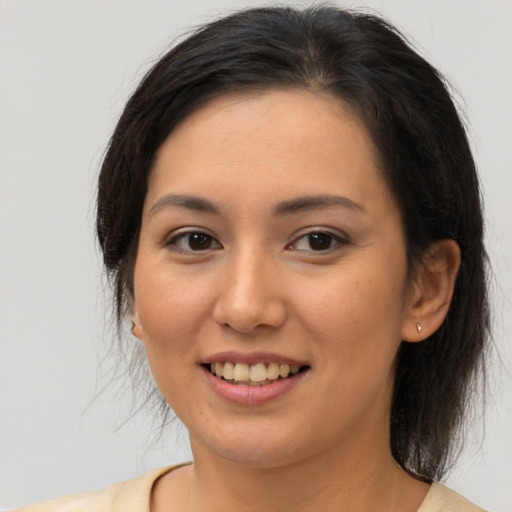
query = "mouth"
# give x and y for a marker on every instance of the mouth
(256, 375)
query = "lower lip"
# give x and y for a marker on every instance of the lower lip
(252, 395)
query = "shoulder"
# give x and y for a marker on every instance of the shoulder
(442, 499)
(129, 496)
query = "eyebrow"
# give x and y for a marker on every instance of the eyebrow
(283, 208)
(198, 204)
(316, 202)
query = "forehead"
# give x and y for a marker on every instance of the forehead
(293, 138)
(296, 112)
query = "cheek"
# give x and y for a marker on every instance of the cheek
(170, 313)
(357, 313)
(170, 309)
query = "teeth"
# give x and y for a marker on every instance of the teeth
(228, 371)
(273, 371)
(258, 372)
(284, 370)
(241, 372)
(255, 374)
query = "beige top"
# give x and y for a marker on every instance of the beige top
(133, 496)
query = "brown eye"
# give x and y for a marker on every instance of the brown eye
(194, 241)
(199, 241)
(320, 241)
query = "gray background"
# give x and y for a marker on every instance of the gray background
(66, 69)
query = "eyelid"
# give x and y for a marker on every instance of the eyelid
(339, 237)
(181, 233)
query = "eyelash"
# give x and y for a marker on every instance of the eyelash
(333, 241)
(186, 236)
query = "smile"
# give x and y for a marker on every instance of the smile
(259, 374)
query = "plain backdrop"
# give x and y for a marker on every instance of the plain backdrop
(66, 70)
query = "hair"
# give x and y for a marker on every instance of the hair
(425, 157)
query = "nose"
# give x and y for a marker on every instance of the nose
(249, 294)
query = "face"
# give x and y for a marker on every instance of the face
(270, 245)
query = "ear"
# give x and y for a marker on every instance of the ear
(135, 322)
(432, 290)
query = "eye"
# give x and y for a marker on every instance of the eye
(193, 241)
(317, 241)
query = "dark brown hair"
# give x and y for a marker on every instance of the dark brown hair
(425, 158)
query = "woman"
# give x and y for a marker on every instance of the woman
(290, 214)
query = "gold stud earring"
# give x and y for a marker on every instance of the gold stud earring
(419, 328)
(134, 324)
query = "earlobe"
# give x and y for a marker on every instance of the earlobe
(433, 290)
(135, 323)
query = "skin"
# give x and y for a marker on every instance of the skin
(259, 285)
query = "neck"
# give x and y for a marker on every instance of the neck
(356, 474)
(320, 484)
(362, 478)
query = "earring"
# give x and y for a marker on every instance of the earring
(134, 323)
(419, 328)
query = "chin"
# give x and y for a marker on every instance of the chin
(256, 448)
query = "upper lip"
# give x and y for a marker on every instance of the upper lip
(252, 358)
